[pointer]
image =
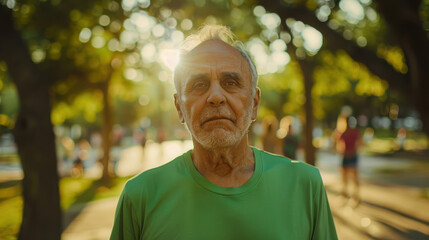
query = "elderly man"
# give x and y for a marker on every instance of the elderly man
(223, 188)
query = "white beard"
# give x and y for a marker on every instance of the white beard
(221, 137)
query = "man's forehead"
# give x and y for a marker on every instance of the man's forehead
(209, 55)
(212, 48)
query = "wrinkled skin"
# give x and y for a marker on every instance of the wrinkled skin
(214, 98)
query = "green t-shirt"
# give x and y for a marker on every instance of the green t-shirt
(283, 199)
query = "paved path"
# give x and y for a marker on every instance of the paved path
(388, 210)
(95, 220)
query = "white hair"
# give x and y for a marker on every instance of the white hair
(217, 32)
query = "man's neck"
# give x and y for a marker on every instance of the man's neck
(225, 167)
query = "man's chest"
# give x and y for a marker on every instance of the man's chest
(204, 215)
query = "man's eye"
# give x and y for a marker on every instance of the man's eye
(200, 85)
(231, 83)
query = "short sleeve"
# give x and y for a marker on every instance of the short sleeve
(324, 227)
(126, 225)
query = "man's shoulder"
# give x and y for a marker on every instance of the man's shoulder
(271, 160)
(155, 175)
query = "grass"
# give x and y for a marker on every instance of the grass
(9, 158)
(392, 170)
(10, 217)
(72, 190)
(425, 193)
(385, 142)
(82, 190)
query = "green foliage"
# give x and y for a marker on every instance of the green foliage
(338, 73)
(87, 104)
(9, 104)
(8, 99)
(82, 44)
(338, 80)
(393, 55)
(282, 93)
(424, 14)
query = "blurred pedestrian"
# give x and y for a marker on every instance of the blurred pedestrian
(116, 150)
(82, 152)
(290, 140)
(400, 138)
(68, 146)
(139, 136)
(348, 146)
(270, 142)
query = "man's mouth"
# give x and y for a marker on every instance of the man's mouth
(213, 119)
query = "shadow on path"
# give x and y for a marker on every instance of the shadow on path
(383, 222)
(81, 202)
(345, 222)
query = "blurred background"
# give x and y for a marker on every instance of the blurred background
(86, 102)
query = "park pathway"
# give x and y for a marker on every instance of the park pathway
(387, 211)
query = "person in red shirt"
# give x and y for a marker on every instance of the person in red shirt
(349, 143)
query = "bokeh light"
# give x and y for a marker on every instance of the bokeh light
(313, 39)
(353, 9)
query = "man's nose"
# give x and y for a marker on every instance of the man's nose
(216, 96)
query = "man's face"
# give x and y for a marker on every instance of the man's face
(215, 94)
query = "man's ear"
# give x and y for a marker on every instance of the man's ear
(255, 100)
(179, 110)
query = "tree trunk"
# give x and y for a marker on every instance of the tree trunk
(33, 135)
(307, 69)
(107, 129)
(404, 22)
